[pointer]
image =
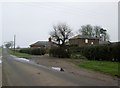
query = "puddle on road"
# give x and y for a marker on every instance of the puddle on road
(32, 62)
(22, 59)
(0, 61)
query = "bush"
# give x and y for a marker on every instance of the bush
(115, 49)
(108, 52)
(77, 56)
(59, 52)
(33, 51)
(25, 50)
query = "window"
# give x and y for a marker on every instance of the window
(86, 40)
(92, 43)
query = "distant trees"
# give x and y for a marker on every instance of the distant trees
(94, 31)
(86, 30)
(97, 31)
(60, 34)
(9, 44)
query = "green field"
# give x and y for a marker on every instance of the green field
(18, 54)
(107, 67)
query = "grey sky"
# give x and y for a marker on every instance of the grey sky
(33, 21)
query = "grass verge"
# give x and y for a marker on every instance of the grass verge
(107, 67)
(0, 49)
(18, 54)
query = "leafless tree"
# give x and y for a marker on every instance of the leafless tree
(61, 34)
(94, 31)
(97, 31)
(9, 44)
(86, 30)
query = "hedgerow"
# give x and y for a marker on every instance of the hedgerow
(106, 52)
(33, 51)
(59, 52)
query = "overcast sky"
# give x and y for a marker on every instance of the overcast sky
(32, 21)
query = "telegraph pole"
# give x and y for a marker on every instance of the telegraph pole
(14, 42)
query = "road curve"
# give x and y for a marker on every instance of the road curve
(22, 73)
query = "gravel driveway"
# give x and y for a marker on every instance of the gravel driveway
(69, 65)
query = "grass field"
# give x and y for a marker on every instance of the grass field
(18, 54)
(107, 67)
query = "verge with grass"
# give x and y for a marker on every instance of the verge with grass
(0, 49)
(107, 67)
(18, 54)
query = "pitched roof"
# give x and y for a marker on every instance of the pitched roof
(104, 42)
(82, 36)
(44, 43)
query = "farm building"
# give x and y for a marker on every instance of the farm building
(43, 44)
(81, 40)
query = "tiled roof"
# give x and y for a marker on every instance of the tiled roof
(41, 43)
(82, 36)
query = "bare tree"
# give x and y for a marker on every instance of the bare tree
(94, 31)
(60, 34)
(86, 30)
(97, 31)
(9, 44)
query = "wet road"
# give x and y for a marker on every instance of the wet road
(24, 73)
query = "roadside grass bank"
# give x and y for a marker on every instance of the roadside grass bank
(0, 49)
(107, 67)
(18, 54)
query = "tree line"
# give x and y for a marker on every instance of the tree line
(62, 32)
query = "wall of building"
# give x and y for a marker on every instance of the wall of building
(81, 42)
(35, 46)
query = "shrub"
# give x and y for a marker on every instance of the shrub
(108, 52)
(25, 50)
(59, 52)
(33, 51)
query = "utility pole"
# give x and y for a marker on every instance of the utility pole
(14, 42)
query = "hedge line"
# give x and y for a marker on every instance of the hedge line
(99, 52)
(33, 51)
(59, 52)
